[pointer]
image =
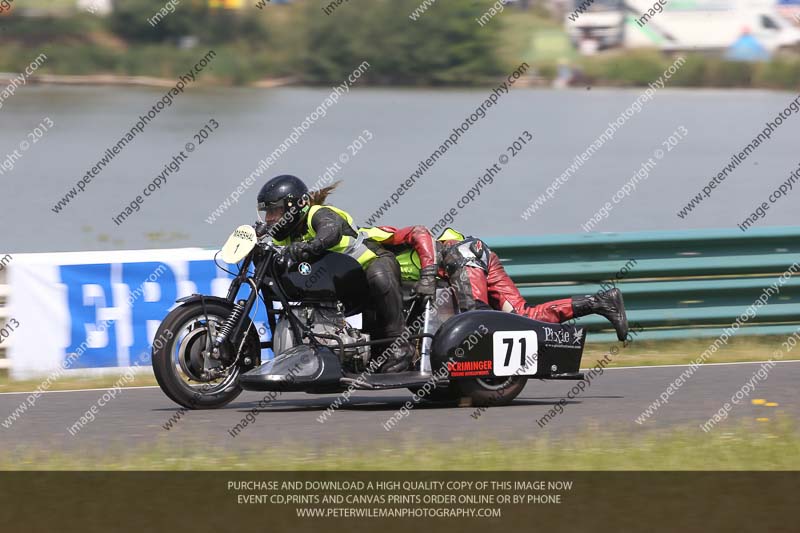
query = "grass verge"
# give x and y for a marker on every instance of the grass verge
(774, 445)
(73, 383)
(685, 351)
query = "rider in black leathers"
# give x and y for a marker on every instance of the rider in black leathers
(297, 219)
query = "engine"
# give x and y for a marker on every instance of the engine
(325, 320)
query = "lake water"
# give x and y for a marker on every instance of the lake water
(403, 128)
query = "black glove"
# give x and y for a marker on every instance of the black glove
(300, 251)
(261, 228)
(426, 286)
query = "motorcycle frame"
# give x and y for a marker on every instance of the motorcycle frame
(266, 276)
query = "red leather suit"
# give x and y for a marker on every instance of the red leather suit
(473, 283)
(495, 288)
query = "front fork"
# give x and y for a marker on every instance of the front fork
(232, 327)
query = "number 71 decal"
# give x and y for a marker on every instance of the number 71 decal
(515, 353)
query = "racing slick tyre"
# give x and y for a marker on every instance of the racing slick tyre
(179, 364)
(490, 392)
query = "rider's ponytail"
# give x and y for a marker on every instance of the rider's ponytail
(319, 196)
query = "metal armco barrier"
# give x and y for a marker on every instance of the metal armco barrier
(683, 284)
(676, 284)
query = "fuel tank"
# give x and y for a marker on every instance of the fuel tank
(328, 278)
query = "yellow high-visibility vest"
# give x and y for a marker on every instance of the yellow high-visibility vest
(352, 246)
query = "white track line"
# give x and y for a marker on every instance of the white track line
(582, 369)
(80, 390)
(703, 365)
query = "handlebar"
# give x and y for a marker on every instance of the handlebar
(266, 242)
(282, 258)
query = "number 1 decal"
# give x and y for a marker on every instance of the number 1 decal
(515, 353)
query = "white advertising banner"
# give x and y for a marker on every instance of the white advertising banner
(101, 309)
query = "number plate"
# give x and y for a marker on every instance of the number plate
(515, 353)
(239, 244)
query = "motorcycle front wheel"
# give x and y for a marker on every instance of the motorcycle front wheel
(184, 373)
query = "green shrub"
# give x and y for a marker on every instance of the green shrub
(722, 73)
(633, 68)
(548, 70)
(39, 30)
(782, 73)
(443, 46)
(129, 20)
(691, 74)
(80, 59)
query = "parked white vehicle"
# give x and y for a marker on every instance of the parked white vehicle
(700, 25)
(597, 24)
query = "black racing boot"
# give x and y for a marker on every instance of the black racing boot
(383, 277)
(398, 357)
(606, 303)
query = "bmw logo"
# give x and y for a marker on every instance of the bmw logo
(304, 269)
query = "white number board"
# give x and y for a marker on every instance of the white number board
(515, 353)
(239, 244)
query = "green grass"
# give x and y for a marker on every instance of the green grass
(531, 36)
(70, 383)
(772, 445)
(677, 352)
(49, 5)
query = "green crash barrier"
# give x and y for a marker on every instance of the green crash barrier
(677, 284)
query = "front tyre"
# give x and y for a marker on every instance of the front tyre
(184, 373)
(490, 392)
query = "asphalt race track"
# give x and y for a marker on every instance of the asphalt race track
(613, 401)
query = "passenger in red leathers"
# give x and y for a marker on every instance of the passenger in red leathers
(480, 281)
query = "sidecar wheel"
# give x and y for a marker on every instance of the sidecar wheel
(490, 392)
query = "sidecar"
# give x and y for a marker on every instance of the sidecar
(485, 357)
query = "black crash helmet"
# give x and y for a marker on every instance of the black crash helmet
(282, 202)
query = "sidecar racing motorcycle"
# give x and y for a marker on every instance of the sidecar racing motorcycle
(482, 358)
